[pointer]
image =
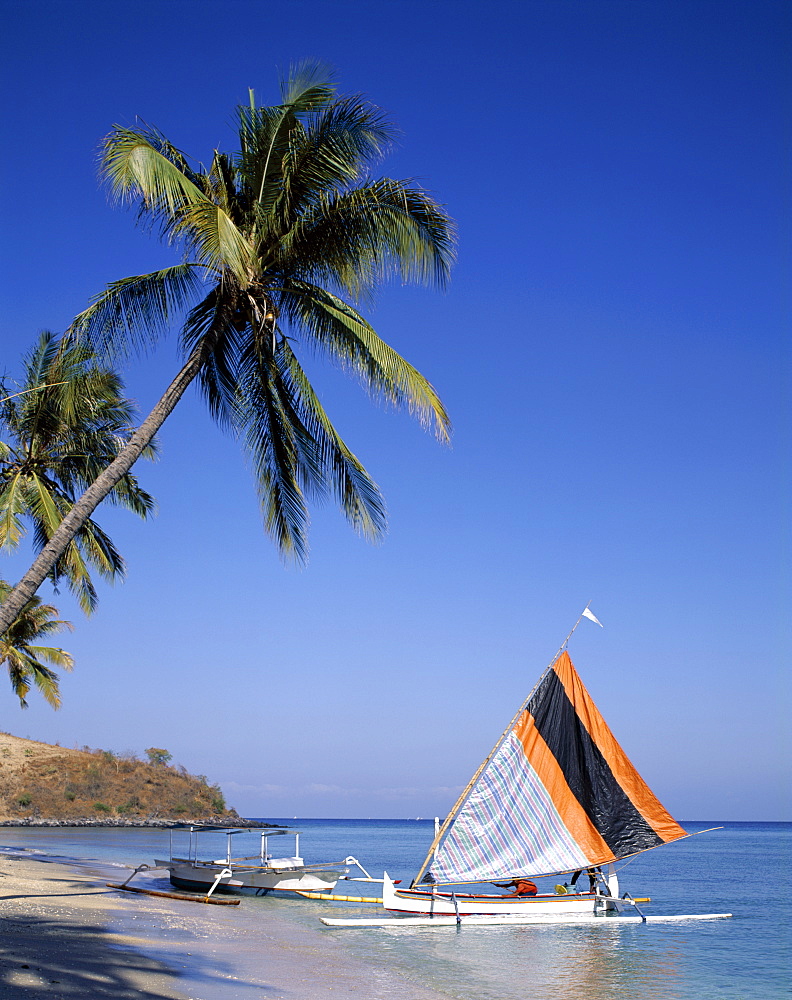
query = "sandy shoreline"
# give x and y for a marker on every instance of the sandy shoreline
(55, 941)
(65, 935)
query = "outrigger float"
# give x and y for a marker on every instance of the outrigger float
(556, 796)
(208, 898)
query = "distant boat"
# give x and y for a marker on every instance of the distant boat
(557, 796)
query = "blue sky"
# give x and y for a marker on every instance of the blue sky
(613, 351)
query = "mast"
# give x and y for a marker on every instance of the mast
(439, 834)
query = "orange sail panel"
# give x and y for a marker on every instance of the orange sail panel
(558, 794)
(636, 789)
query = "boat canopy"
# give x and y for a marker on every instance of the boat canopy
(558, 794)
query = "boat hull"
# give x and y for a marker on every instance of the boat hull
(200, 877)
(444, 904)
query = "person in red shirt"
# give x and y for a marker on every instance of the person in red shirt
(522, 887)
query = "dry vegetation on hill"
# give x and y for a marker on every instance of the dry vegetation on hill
(43, 782)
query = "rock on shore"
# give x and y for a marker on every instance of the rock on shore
(90, 821)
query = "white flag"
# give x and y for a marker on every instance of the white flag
(590, 616)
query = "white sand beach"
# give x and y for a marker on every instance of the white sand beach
(56, 942)
(66, 935)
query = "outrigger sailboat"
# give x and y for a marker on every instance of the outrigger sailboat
(557, 795)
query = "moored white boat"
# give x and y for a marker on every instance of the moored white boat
(254, 874)
(200, 876)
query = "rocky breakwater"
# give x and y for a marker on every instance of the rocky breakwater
(154, 822)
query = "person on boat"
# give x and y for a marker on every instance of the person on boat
(521, 886)
(594, 875)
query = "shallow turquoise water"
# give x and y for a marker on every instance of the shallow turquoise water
(745, 869)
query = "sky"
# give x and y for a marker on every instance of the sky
(613, 350)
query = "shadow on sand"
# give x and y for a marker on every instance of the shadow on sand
(64, 960)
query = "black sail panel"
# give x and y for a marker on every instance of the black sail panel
(587, 773)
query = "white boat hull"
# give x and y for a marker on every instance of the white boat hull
(445, 904)
(200, 876)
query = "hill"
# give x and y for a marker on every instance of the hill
(41, 783)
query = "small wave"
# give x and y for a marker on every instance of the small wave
(64, 859)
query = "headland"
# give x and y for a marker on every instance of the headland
(42, 784)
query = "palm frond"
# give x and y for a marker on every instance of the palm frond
(265, 132)
(356, 492)
(210, 234)
(345, 337)
(13, 505)
(90, 545)
(214, 322)
(334, 150)
(128, 494)
(220, 186)
(358, 237)
(72, 567)
(141, 164)
(273, 440)
(136, 311)
(44, 506)
(296, 451)
(309, 85)
(24, 661)
(101, 553)
(23, 669)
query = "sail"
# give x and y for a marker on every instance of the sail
(558, 794)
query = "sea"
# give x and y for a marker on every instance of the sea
(741, 868)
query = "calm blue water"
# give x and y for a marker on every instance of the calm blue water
(745, 869)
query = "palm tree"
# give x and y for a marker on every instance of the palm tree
(24, 661)
(64, 423)
(278, 237)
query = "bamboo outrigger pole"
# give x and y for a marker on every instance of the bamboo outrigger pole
(207, 898)
(466, 792)
(173, 895)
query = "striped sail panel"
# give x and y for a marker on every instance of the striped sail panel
(489, 841)
(557, 795)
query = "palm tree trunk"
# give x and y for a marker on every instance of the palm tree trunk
(97, 491)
